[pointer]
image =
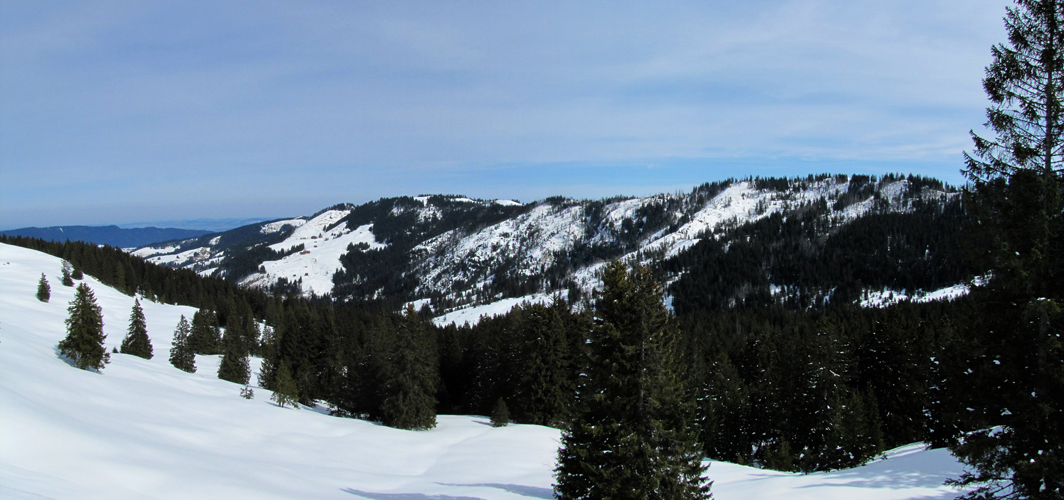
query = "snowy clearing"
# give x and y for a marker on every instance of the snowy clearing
(143, 429)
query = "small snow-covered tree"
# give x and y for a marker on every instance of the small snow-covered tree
(83, 344)
(181, 355)
(44, 290)
(137, 342)
(66, 274)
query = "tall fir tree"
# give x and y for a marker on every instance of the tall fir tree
(547, 388)
(410, 389)
(205, 337)
(83, 344)
(234, 366)
(632, 437)
(181, 355)
(137, 342)
(1017, 202)
(44, 290)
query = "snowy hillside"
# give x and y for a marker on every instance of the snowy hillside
(142, 429)
(453, 252)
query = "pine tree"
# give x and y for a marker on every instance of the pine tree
(234, 366)
(1016, 200)
(44, 290)
(631, 438)
(137, 342)
(410, 390)
(285, 393)
(181, 355)
(66, 274)
(500, 415)
(83, 344)
(205, 337)
(77, 274)
(548, 391)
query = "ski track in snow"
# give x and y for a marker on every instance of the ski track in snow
(143, 429)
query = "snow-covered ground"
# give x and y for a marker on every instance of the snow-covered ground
(143, 429)
(320, 257)
(883, 298)
(473, 314)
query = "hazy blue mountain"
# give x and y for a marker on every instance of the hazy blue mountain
(107, 235)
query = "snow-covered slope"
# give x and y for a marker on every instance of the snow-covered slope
(319, 259)
(143, 429)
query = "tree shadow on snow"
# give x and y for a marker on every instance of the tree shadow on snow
(517, 489)
(403, 496)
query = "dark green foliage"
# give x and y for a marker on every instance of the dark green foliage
(285, 393)
(44, 290)
(77, 274)
(545, 391)
(1015, 366)
(500, 414)
(247, 392)
(83, 344)
(234, 366)
(137, 342)
(205, 336)
(410, 388)
(181, 354)
(632, 435)
(66, 274)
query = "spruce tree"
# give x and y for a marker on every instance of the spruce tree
(83, 344)
(410, 389)
(205, 337)
(631, 437)
(500, 414)
(1016, 379)
(44, 290)
(77, 274)
(137, 342)
(285, 392)
(66, 274)
(181, 355)
(234, 366)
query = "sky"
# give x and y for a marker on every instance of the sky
(125, 112)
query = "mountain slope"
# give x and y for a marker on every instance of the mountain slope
(452, 252)
(142, 429)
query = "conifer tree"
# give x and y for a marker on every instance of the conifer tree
(83, 344)
(181, 355)
(547, 389)
(285, 392)
(137, 342)
(44, 290)
(234, 366)
(77, 274)
(66, 274)
(500, 415)
(205, 337)
(632, 437)
(1017, 200)
(410, 390)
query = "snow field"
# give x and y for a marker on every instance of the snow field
(143, 429)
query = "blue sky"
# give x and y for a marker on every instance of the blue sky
(121, 112)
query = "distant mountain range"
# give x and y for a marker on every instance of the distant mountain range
(801, 242)
(107, 235)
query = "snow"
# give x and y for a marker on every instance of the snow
(472, 315)
(507, 203)
(320, 257)
(276, 226)
(149, 251)
(143, 429)
(886, 297)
